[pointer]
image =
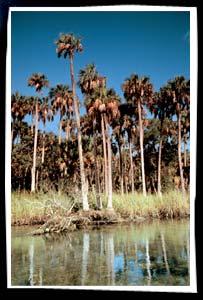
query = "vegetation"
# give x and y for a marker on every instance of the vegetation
(29, 209)
(116, 150)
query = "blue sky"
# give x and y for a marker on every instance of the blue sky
(155, 44)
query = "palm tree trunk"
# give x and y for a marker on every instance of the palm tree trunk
(43, 146)
(109, 203)
(125, 172)
(84, 184)
(121, 168)
(60, 128)
(97, 185)
(37, 180)
(32, 124)
(68, 130)
(12, 129)
(141, 148)
(35, 148)
(185, 153)
(159, 168)
(131, 168)
(179, 156)
(105, 156)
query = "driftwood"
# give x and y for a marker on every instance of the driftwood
(61, 224)
(72, 221)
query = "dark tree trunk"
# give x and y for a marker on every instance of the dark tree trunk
(125, 172)
(98, 192)
(131, 168)
(179, 156)
(12, 129)
(159, 168)
(105, 155)
(141, 148)
(121, 168)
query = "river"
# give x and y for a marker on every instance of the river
(154, 253)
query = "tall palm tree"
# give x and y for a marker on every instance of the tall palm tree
(61, 100)
(38, 81)
(111, 112)
(131, 130)
(139, 91)
(88, 83)
(160, 106)
(67, 45)
(119, 132)
(180, 97)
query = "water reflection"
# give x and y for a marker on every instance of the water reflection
(148, 264)
(31, 259)
(85, 254)
(147, 254)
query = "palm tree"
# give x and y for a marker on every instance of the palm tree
(88, 83)
(19, 108)
(139, 91)
(38, 81)
(67, 45)
(119, 132)
(160, 106)
(61, 100)
(88, 78)
(180, 97)
(111, 112)
(131, 130)
(45, 113)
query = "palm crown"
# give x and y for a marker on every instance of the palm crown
(135, 88)
(67, 44)
(38, 81)
(88, 79)
(62, 99)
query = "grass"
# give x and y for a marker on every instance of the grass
(37, 208)
(170, 205)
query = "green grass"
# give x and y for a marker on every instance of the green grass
(37, 208)
(170, 205)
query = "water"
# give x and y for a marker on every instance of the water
(130, 255)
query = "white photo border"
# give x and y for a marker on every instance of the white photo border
(192, 288)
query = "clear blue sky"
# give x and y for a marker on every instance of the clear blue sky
(155, 44)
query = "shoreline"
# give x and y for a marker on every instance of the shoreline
(89, 220)
(60, 213)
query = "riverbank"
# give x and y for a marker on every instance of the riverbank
(61, 213)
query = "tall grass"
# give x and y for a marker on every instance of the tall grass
(37, 208)
(170, 205)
